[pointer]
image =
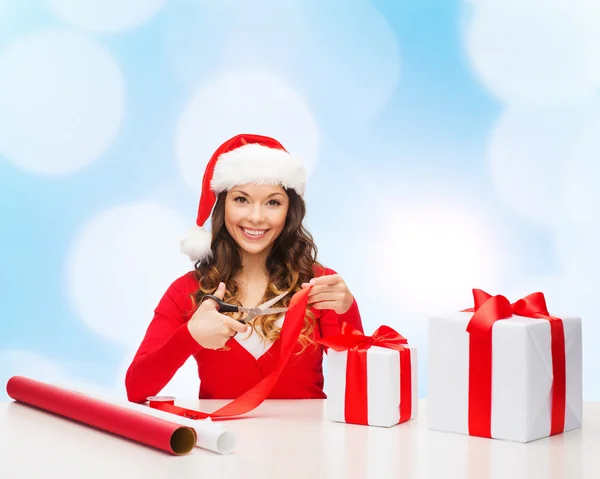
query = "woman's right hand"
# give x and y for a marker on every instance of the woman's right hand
(211, 329)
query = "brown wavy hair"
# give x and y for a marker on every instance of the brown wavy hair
(291, 262)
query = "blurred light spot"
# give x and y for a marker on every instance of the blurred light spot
(428, 260)
(529, 153)
(61, 102)
(532, 51)
(107, 16)
(120, 265)
(342, 57)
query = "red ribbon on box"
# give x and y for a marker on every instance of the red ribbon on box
(357, 344)
(489, 309)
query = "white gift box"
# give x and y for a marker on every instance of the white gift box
(383, 385)
(521, 376)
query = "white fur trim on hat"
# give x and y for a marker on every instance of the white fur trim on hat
(254, 163)
(196, 243)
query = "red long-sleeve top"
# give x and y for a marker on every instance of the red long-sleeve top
(224, 374)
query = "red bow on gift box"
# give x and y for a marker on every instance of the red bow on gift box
(489, 309)
(357, 344)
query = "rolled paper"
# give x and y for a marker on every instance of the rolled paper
(209, 435)
(158, 433)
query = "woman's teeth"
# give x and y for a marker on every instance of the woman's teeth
(254, 233)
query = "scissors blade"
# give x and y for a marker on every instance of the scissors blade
(273, 311)
(264, 308)
(245, 310)
(271, 302)
(260, 312)
(251, 315)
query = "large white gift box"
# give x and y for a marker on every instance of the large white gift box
(521, 376)
(381, 403)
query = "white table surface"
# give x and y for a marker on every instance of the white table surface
(292, 439)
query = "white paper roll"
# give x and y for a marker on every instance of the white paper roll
(210, 435)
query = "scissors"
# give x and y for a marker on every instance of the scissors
(264, 308)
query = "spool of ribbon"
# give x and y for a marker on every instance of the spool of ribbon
(357, 344)
(153, 400)
(487, 310)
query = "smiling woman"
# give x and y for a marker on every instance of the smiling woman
(256, 217)
(258, 249)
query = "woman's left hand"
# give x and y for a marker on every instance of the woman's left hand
(329, 292)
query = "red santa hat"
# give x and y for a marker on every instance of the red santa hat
(240, 160)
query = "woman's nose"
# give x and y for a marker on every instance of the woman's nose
(256, 214)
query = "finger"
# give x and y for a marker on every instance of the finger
(219, 293)
(234, 325)
(324, 296)
(323, 288)
(231, 333)
(325, 305)
(327, 279)
(226, 331)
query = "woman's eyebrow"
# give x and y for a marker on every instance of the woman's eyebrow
(246, 194)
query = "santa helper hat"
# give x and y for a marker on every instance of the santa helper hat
(242, 159)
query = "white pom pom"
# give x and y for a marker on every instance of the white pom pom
(196, 244)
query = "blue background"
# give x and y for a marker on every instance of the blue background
(444, 155)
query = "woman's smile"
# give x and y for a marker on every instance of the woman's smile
(255, 216)
(254, 233)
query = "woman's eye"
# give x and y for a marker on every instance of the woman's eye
(240, 199)
(274, 203)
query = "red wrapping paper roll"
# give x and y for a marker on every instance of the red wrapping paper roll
(149, 430)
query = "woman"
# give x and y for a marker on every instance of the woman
(253, 191)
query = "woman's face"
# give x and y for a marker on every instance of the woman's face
(255, 215)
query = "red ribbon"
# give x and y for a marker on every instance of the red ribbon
(357, 345)
(251, 399)
(489, 309)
